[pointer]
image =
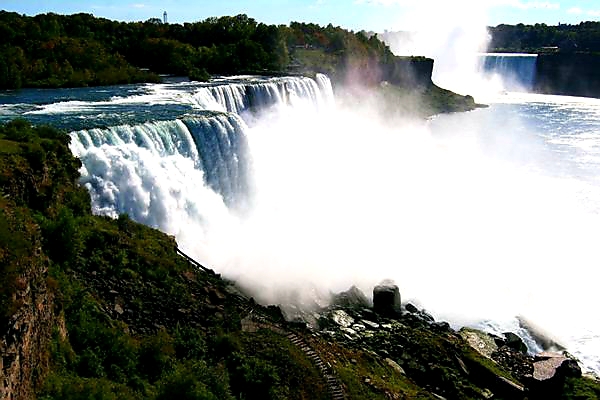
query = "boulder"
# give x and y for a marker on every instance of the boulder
(554, 365)
(411, 308)
(549, 374)
(386, 299)
(351, 298)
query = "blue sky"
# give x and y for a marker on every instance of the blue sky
(376, 15)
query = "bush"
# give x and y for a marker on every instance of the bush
(194, 381)
(255, 378)
(156, 355)
(198, 74)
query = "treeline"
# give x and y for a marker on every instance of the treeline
(51, 50)
(584, 37)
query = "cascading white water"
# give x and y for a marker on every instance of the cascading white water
(164, 173)
(515, 72)
(239, 97)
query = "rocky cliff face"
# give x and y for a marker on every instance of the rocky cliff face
(409, 72)
(571, 74)
(29, 317)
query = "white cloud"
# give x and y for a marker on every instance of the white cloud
(386, 2)
(317, 4)
(138, 5)
(575, 11)
(580, 11)
(526, 5)
(520, 4)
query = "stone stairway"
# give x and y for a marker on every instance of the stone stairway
(333, 384)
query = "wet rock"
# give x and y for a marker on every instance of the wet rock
(358, 327)
(342, 318)
(480, 341)
(370, 324)
(386, 299)
(515, 342)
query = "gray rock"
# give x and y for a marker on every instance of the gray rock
(550, 365)
(395, 365)
(549, 374)
(352, 298)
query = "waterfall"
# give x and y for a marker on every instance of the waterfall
(159, 172)
(516, 71)
(257, 95)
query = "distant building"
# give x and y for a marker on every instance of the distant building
(165, 17)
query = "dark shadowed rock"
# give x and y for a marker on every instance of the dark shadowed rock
(411, 308)
(441, 326)
(515, 342)
(386, 299)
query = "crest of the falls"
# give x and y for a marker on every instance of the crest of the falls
(256, 95)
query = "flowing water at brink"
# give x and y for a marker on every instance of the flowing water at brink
(479, 217)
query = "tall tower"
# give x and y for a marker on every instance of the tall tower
(165, 17)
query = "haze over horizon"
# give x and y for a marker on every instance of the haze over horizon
(370, 15)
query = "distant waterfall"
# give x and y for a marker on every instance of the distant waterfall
(517, 71)
(239, 97)
(150, 170)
